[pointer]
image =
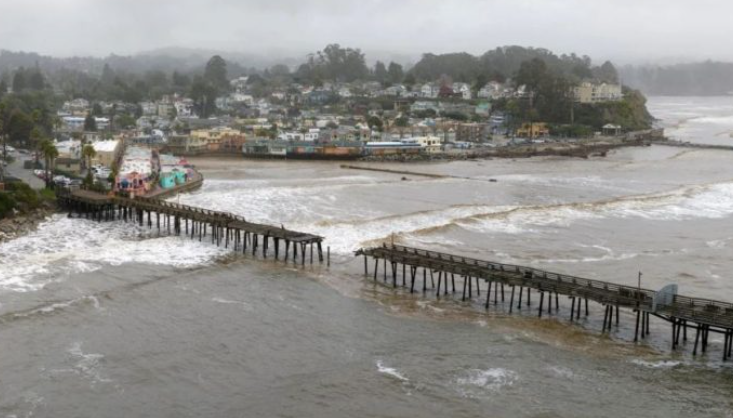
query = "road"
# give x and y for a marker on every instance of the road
(15, 169)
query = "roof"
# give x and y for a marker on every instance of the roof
(106, 146)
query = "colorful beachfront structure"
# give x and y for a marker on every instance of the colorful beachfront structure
(137, 171)
(174, 171)
(143, 170)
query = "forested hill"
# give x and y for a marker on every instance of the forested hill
(695, 79)
(504, 62)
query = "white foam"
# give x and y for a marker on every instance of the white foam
(88, 365)
(561, 371)
(62, 246)
(492, 379)
(390, 371)
(691, 202)
(270, 202)
(662, 364)
(345, 237)
(247, 306)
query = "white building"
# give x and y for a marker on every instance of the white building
(590, 92)
(76, 123)
(492, 90)
(76, 107)
(430, 144)
(463, 89)
(429, 91)
(184, 107)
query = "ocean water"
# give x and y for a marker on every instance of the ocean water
(112, 320)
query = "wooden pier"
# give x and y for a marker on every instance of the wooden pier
(223, 228)
(438, 272)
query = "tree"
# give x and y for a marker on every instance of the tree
(35, 80)
(396, 73)
(334, 63)
(36, 139)
(97, 110)
(19, 81)
(181, 82)
(18, 127)
(375, 123)
(3, 88)
(216, 74)
(204, 97)
(606, 73)
(87, 153)
(50, 153)
(532, 74)
(90, 124)
(380, 72)
(279, 70)
(409, 81)
(401, 122)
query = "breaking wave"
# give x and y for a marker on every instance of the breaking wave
(712, 201)
(62, 246)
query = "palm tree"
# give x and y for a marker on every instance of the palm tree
(50, 153)
(36, 139)
(88, 152)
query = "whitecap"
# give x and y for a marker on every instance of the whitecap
(390, 371)
(492, 379)
(231, 302)
(661, 364)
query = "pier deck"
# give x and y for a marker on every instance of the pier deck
(224, 228)
(702, 315)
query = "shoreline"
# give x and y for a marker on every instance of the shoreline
(571, 150)
(584, 151)
(17, 226)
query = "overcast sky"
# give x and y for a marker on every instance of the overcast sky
(622, 30)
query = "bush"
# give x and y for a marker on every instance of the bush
(7, 204)
(47, 195)
(25, 197)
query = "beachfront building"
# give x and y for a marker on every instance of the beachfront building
(173, 171)
(428, 144)
(472, 132)
(533, 130)
(220, 139)
(187, 145)
(136, 172)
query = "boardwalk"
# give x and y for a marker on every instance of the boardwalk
(224, 228)
(701, 315)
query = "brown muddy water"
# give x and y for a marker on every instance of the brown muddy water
(106, 320)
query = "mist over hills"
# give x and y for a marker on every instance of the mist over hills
(173, 58)
(708, 78)
(704, 78)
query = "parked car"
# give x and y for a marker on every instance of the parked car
(62, 181)
(102, 173)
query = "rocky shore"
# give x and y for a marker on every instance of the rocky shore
(21, 224)
(599, 149)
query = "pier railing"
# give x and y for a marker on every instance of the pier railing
(707, 315)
